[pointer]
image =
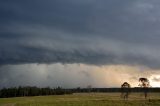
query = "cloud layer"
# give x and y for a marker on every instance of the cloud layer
(86, 31)
(75, 75)
(84, 41)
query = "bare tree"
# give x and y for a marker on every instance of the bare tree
(89, 87)
(125, 90)
(144, 83)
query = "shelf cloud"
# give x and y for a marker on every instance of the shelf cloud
(90, 32)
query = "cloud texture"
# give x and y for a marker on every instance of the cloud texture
(92, 32)
(75, 75)
(73, 31)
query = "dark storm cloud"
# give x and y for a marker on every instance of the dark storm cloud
(80, 31)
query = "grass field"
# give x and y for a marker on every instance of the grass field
(84, 99)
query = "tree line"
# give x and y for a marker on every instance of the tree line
(136, 89)
(35, 91)
(31, 91)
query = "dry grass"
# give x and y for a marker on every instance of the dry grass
(84, 99)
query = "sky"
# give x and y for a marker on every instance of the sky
(77, 43)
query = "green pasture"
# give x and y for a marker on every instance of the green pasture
(84, 99)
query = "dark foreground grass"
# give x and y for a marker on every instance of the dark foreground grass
(84, 99)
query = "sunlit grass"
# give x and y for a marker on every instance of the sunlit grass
(84, 99)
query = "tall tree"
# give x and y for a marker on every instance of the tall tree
(145, 84)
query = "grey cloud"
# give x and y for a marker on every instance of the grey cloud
(42, 75)
(66, 15)
(86, 31)
(73, 75)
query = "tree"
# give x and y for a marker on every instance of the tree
(145, 84)
(89, 87)
(125, 90)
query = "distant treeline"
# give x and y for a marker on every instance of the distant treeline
(137, 89)
(31, 91)
(35, 91)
